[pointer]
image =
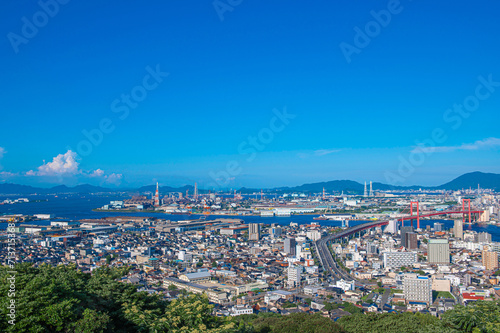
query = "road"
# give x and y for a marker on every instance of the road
(385, 297)
(325, 257)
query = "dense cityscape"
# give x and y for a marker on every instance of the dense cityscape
(367, 253)
(232, 166)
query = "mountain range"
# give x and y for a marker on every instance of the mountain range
(465, 181)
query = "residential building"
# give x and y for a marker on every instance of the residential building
(241, 309)
(438, 251)
(294, 276)
(313, 235)
(417, 288)
(404, 231)
(371, 248)
(289, 246)
(345, 285)
(398, 259)
(483, 237)
(490, 260)
(254, 231)
(276, 232)
(458, 229)
(411, 242)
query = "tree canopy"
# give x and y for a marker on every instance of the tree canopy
(63, 299)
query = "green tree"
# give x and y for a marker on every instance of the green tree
(386, 322)
(63, 299)
(479, 316)
(295, 323)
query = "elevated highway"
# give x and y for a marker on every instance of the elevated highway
(325, 256)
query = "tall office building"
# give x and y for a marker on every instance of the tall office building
(404, 231)
(371, 248)
(417, 288)
(438, 251)
(490, 260)
(254, 231)
(438, 226)
(411, 241)
(458, 229)
(294, 276)
(290, 245)
(276, 232)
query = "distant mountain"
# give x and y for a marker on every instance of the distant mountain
(472, 180)
(331, 186)
(346, 186)
(167, 189)
(7, 188)
(468, 180)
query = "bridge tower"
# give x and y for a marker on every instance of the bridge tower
(418, 213)
(463, 211)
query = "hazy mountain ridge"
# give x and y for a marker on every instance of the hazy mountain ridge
(465, 181)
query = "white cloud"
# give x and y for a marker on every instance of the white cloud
(114, 178)
(2, 152)
(322, 152)
(66, 165)
(97, 173)
(319, 152)
(61, 165)
(7, 174)
(480, 144)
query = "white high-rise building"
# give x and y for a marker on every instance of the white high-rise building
(314, 235)
(181, 255)
(298, 250)
(417, 288)
(294, 276)
(458, 229)
(392, 227)
(254, 231)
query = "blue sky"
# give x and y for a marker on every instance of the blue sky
(229, 80)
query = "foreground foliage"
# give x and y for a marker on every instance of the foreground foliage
(478, 317)
(293, 323)
(63, 299)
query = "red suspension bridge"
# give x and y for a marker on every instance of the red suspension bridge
(466, 210)
(326, 259)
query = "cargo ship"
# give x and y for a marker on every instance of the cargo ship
(335, 217)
